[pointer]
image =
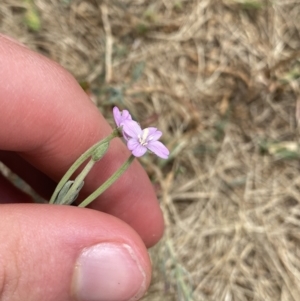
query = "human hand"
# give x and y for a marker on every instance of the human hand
(51, 252)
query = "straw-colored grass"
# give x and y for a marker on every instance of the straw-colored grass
(221, 80)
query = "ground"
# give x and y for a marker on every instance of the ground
(221, 79)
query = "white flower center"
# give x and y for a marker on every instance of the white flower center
(143, 137)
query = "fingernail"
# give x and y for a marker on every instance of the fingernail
(108, 272)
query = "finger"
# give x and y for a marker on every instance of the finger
(62, 253)
(10, 194)
(42, 184)
(50, 121)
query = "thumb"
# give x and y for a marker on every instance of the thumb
(62, 253)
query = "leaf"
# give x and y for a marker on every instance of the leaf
(32, 18)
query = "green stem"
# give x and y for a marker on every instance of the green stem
(79, 179)
(78, 162)
(107, 183)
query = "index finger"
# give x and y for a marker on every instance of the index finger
(50, 121)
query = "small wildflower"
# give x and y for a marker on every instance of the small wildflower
(138, 140)
(121, 117)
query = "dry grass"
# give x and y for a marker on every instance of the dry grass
(221, 79)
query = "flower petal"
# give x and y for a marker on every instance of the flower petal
(131, 128)
(154, 134)
(126, 115)
(158, 149)
(139, 151)
(132, 144)
(121, 116)
(152, 130)
(117, 116)
(125, 136)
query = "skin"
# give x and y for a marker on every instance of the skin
(46, 122)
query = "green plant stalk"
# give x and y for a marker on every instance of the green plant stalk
(107, 183)
(78, 162)
(79, 179)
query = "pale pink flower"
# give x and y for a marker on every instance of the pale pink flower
(138, 140)
(121, 116)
